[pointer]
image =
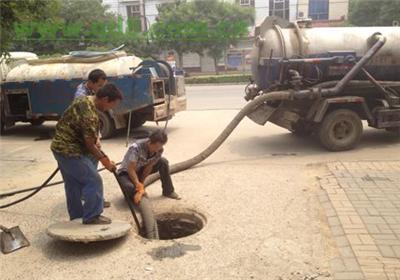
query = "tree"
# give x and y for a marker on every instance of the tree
(178, 28)
(12, 12)
(75, 25)
(227, 24)
(201, 26)
(85, 11)
(374, 13)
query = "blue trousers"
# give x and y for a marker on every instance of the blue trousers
(81, 180)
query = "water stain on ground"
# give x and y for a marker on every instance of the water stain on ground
(174, 251)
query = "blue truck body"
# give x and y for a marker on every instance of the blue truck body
(151, 92)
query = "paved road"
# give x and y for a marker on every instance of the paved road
(215, 97)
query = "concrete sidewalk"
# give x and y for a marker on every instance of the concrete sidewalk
(258, 194)
(263, 227)
(362, 203)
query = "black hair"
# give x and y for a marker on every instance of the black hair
(158, 136)
(96, 75)
(111, 91)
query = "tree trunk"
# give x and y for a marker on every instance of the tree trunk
(180, 58)
(216, 65)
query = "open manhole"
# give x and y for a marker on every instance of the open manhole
(178, 225)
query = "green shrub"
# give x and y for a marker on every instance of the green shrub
(218, 79)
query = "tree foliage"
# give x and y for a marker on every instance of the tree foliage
(374, 13)
(201, 26)
(68, 25)
(12, 12)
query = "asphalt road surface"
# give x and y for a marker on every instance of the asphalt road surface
(210, 97)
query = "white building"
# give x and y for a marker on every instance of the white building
(332, 10)
(325, 12)
(145, 11)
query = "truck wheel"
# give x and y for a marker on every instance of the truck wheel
(107, 126)
(2, 128)
(2, 119)
(149, 221)
(137, 122)
(301, 130)
(37, 122)
(394, 130)
(340, 130)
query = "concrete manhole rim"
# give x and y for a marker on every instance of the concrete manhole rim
(190, 213)
(182, 211)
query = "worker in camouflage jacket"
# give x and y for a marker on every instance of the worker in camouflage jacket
(74, 147)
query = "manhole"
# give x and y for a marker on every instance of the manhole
(178, 225)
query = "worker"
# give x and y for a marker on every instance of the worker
(74, 141)
(143, 158)
(96, 79)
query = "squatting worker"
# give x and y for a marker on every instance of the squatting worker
(73, 144)
(96, 79)
(143, 158)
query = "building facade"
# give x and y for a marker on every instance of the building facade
(322, 12)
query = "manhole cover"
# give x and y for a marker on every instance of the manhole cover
(75, 231)
(178, 225)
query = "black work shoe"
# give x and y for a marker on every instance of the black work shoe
(99, 220)
(106, 204)
(172, 195)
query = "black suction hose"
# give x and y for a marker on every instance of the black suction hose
(378, 41)
(33, 193)
(130, 204)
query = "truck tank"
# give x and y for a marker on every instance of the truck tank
(69, 67)
(331, 52)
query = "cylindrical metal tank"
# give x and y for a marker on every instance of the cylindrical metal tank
(280, 39)
(69, 67)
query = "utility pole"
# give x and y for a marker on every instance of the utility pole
(143, 21)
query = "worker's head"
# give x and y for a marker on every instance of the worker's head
(157, 140)
(97, 78)
(108, 97)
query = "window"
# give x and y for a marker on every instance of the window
(134, 17)
(279, 8)
(318, 9)
(244, 2)
(133, 10)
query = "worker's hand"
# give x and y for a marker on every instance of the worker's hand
(139, 193)
(138, 197)
(139, 186)
(108, 164)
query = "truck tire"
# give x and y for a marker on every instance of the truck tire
(2, 127)
(149, 220)
(37, 122)
(301, 130)
(107, 126)
(2, 119)
(137, 122)
(394, 130)
(340, 130)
